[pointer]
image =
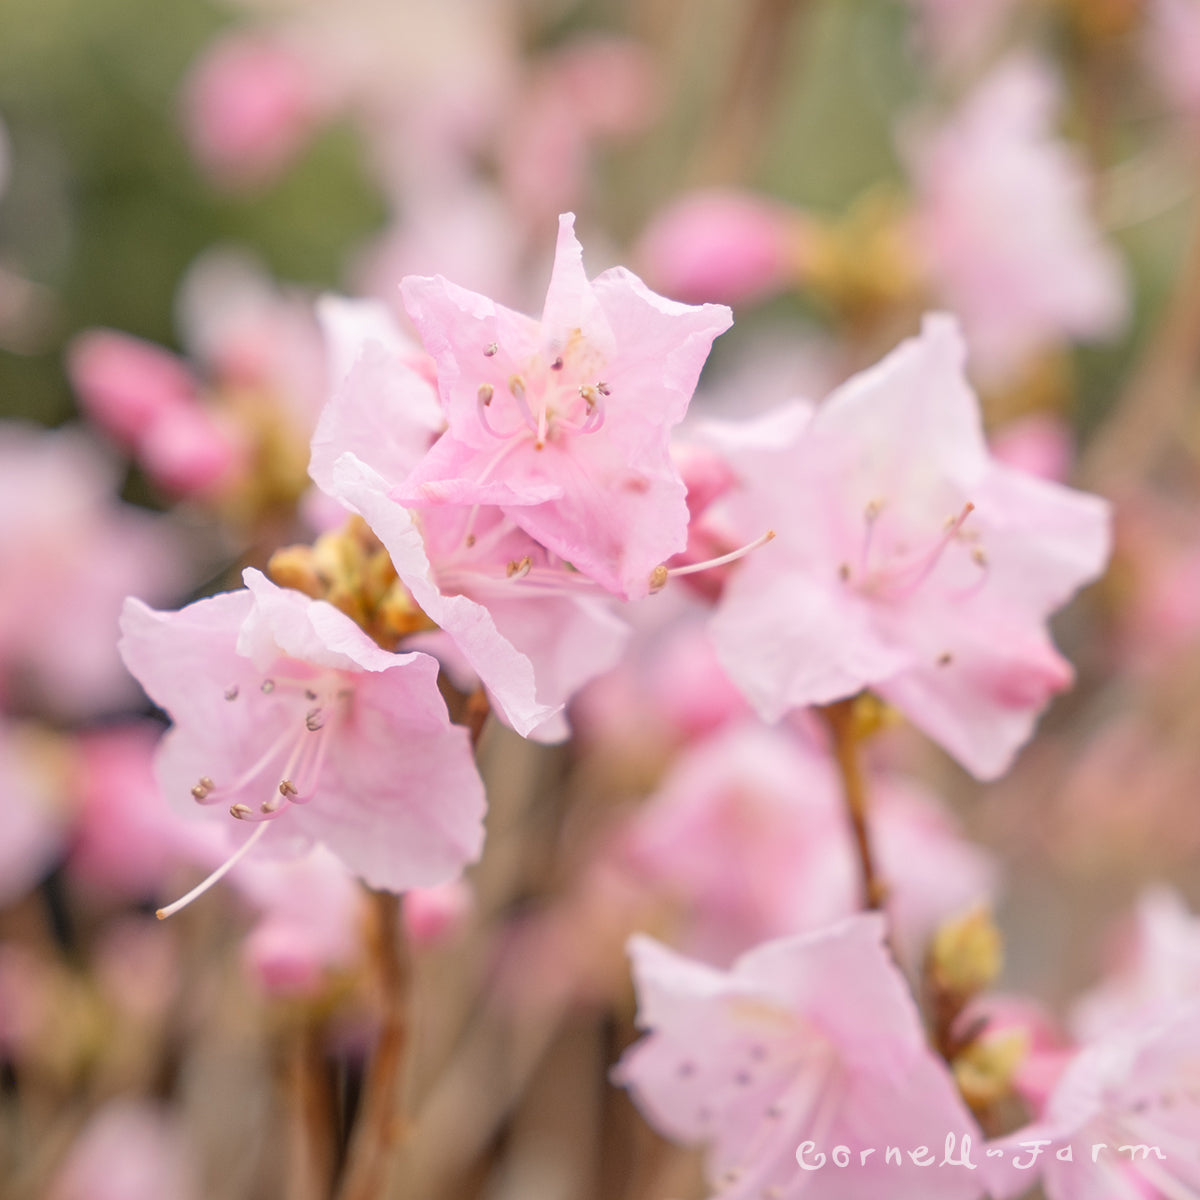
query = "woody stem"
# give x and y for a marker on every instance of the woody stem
(840, 719)
(380, 1121)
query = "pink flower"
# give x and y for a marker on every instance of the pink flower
(1002, 219)
(283, 707)
(511, 615)
(805, 1044)
(907, 560)
(748, 833)
(564, 423)
(70, 552)
(1123, 1121)
(149, 402)
(129, 1150)
(310, 922)
(249, 106)
(724, 245)
(1159, 972)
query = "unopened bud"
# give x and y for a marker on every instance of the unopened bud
(966, 955)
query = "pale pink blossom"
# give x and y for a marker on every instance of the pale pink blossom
(748, 835)
(1002, 222)
(129, 1150)
(1122, 1122)
(731, 246)
(311, 921)
(70, 552)
(1159, 971)
(249, 106)
(149, 402)
(432, 916)
(511, 615)
(284, 708)
(563, 423)
(807, 1043)
(906, 559)
(238, 410)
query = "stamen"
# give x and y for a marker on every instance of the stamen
(202, 789)
(661, 573)
(483, 400)
(516, 388)
(892, 580)
(288, 788)
(489, 351)
(557, 364)
(268, 686)
(519, 568)
(215, 877)
(232, 693)
(314, 719)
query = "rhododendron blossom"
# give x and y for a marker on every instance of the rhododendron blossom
(284, 708)
(907, 560)
(564, 423)
(810, 1041)
(1002, 221)
(508, 612)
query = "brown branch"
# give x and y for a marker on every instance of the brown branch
(381, 1121)
(843, 727)
(311, 1115)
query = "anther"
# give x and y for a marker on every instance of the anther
(486, 392)
(489, 351)
(203, 788)
(309, 694)
(241, 811)
(232, 693)
(979, 558)
(658, 578)
(945, 658)
(557, 364)
(268, 686)
(516, 385)
(288, 788)
(603, 388)
(518, 568)
(314, 719)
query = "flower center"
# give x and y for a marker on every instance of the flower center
(289, 768)
(547, 396)
(890, 568)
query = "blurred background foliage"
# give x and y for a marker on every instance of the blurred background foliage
(105, 208)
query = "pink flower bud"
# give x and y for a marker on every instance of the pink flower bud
(722, 245)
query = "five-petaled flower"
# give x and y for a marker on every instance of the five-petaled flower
(284, 708)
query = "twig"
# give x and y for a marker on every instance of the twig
(841, 721)
(380, 1122)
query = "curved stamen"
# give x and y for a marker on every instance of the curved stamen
(215, 877)
(482, 402)
(661, 573)
(516, 389)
